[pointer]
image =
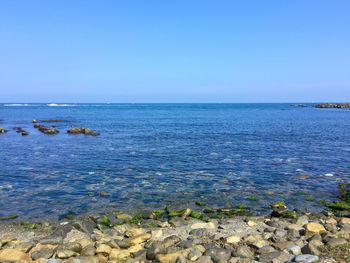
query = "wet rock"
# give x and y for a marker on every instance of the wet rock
(306, 258)
(86, 131)
(46, 130)
(3, 130)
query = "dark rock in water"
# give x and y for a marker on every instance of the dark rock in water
(3, 130)
(48, 130)
(333, 105)
(85, 131)
(45, 130)
(21, 131)
(50, 120)
(35, 121)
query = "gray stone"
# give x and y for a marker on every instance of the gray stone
(302, 220)
(204, 259)
(311, 249)
(265, 250)
(43, 253)
(194, 254)
(275, 257)
(199, 232)
(53, 260)
(181, 259)
(89, 250)
(294, 250)
(334, 242)
(218, 254)
(171, 241)
(306, 258)
(243, 252)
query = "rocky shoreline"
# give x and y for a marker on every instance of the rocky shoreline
(182, 237)
(333, 105)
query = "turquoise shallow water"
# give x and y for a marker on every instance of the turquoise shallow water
(153, 155)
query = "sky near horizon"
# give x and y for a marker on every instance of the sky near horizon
(174, 51)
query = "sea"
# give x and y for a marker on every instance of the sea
(149, 156)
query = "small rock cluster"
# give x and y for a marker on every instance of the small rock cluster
(85, 131)
(44, 129)
(333, 105)
(51, 130)
(21, 131)
(239, 239)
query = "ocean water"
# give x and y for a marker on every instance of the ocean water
(153, 155)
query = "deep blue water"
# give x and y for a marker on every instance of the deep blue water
(152, 155)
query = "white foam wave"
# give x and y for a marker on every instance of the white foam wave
(18, 105)
(60, 105)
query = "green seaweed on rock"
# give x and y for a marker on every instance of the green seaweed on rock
(28, 225)
(179, 213)
(344, 192)
(278, 205)
(253, 198)
(105, 220)
(136, 219)
(10, 217)
(156, 214)
(199, 215)
(341, 206)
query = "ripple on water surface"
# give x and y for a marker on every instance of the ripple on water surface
(153, 155)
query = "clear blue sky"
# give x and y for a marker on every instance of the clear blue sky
(174, 51)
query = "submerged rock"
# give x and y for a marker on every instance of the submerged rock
(20, 131)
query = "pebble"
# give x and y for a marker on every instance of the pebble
(233, 240)
(306, 258)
